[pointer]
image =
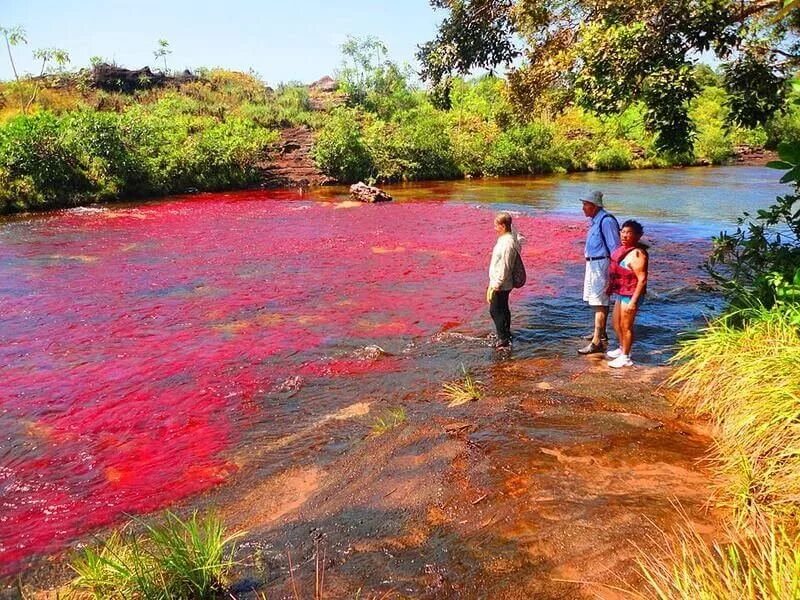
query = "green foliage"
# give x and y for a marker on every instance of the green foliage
(765, 248)
(162, 52)
(606, 55)
(614, 157)
(175, 559)
(416, 145)
(340, 150)
(37, 166)
(147, 149)
(523, 149)
(709, 111)
(13, 36)
(373, 82)
(755, 89)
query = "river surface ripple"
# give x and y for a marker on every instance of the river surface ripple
(145, 346)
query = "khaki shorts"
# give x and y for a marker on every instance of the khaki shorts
(595, 282)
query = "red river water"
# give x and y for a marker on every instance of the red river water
(138, 343)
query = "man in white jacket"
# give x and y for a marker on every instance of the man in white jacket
(501, 283)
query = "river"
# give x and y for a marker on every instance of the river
(148, 349)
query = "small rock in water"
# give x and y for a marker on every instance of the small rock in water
(290, 384)
(367, 193)
(370, 353)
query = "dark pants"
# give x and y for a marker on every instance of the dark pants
(501, 315)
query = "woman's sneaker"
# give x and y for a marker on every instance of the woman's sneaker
(623, 360)
(614, 353)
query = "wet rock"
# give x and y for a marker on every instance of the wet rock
(368, 193)
(370, 353)
(459, 427)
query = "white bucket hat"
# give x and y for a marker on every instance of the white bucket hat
(595, 198)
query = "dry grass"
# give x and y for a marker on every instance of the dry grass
(762, 565)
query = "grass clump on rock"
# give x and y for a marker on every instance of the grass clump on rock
(177, 558)
(743, 373)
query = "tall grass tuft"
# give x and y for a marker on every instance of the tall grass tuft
(747, 381)
(463, 391)
(762, 566)
(178, 558)
(743, 372)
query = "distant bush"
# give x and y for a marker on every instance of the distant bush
(415, 146)
(613, 157)
(523, 149)
(149, 149)
(714, 146)
(38, 167)
(340, 150)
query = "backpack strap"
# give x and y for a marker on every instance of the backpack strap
(602, 235)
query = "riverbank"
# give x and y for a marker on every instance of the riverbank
(80, 143)
(552, 486)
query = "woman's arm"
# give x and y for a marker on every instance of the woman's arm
(639, 264)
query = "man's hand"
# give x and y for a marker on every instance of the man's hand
(489, 294)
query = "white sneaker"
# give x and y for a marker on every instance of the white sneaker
(614, 353)
(623, 360)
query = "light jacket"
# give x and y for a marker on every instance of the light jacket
(504, 254)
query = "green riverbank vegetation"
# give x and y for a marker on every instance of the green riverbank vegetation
(391, 131)
(68, 139)
(742, 372)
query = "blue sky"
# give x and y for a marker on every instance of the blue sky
(281, 40)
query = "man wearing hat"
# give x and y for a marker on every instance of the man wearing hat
(601, 240)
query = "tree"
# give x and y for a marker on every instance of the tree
(162, 51)
(13, 36)
(605, 54)
(47, 56)
(371, 80)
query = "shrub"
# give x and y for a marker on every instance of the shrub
(33, 151)
(523, 149)
(98, 140)
(713, 145)
(613, 157)
(747, 262)
(415, 146)
(339, 149)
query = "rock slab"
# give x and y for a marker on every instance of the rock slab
(366, 193)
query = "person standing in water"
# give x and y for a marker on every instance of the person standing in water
(601, 240)
(501, 267)
(628, 284)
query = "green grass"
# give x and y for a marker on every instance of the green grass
(462, 391)
(743, 373)
(747, 381)
(177, 558)
(764, 565)
(389, 420)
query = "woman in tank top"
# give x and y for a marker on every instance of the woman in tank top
(627, 285)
